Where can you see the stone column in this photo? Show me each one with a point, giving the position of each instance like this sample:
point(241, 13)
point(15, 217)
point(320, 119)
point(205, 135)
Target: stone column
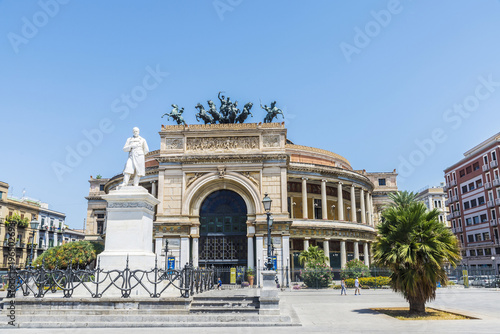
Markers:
point(250, 258)
point(153, 188)
point(259, 251)
point(158, 247)
point(184, 256)
point(367, 256)
point(343, 255)
point(285, 244)
point(356, 250)
point(306, 244)
point(195, 253)
point(326, 248)
point(161, 180)
point(371, 210)
point(363, 209)
point(340, 199)
point(367, 200)
point(353, 204)
point(304, 198)
point(324, 209)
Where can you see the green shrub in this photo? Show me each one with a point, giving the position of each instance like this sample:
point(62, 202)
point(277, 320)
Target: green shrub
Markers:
point(317, 275)
point(369, 281)
point(79, 254)
point(355, 268)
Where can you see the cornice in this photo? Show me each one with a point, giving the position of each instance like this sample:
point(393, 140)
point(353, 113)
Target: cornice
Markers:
point(218, 158)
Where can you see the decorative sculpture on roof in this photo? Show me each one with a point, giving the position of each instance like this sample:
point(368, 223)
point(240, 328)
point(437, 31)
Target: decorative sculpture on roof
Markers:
point(176, 114)
point(272, 112)
point(228, 112)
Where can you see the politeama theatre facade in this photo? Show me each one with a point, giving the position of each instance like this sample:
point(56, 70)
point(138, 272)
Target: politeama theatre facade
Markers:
point(211, 179)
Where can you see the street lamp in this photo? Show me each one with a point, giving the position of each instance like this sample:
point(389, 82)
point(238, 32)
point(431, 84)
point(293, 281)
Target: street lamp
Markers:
point(494, 266)
point(166, 254)
point(34, 227)
point(267, 207)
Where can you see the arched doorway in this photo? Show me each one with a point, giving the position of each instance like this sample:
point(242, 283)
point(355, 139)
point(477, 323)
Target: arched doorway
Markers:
point(223, 230)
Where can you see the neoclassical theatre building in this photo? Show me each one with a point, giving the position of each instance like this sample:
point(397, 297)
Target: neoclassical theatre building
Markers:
point(211, 180)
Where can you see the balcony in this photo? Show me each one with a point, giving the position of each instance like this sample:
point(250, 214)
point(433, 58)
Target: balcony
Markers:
point(43, 227)
point(456, 229)
point(488, 185)
point(486, 167)
point(493, 163)
point(456, 214)
point(453, 183)
point(497, 201)
point(454, 198)
point(496, 182)
point(459, 229)
point(449, 217)
point(490, 204)
point(447, 202)
point(494, 222)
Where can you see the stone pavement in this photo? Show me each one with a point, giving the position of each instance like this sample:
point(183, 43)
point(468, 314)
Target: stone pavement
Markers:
point(325, 311)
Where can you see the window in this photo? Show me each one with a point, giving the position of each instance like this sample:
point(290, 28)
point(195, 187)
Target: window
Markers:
point(468, 221)
point(475, 166)
point(493, 156)
point(479, 183)
point(440, 218)
point(485, 159)
point(473, 203)
point(466, 205)
point(381, 182)
point(487, 251)
point(462, 238)
point(480, 200)
point(480, 252)
point(484, 218)
point(477, 236)
point(493, 214)
point(470, 238)
point(472, 252)
point(459, 222)
point(464, 189)
point(462, 173)
point(486, 236)
point(475, 220)
point(468, 170)
point(317, 209)
point(101, 187)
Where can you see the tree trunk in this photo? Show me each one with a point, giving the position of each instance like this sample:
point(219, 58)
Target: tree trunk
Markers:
point(417, 306)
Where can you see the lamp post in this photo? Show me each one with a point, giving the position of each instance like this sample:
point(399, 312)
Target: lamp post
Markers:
point(34, 227)
point(166, 254)
point(267, 207)
point(494, 266)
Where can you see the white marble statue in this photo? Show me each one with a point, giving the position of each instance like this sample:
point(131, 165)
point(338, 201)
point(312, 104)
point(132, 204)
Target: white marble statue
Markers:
point(137, 148)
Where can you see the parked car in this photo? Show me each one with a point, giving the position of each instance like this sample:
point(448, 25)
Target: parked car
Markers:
point(480, 281)
point(461, 280)
point(452, 279)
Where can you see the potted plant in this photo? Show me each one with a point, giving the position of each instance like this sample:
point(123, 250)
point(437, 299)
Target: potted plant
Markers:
point(250, 276)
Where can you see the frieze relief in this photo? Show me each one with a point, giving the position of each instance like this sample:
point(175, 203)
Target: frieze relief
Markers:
point(174, 143)
point(126, 205)
point(330, 233)
point(222, 143)
point(271, 141)
point(191, 177)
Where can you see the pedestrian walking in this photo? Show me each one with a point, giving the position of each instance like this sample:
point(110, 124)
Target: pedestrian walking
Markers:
point(343, 290)
point(357, 291)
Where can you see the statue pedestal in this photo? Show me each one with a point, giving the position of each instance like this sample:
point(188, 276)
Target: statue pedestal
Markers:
point(129, 230)
point(269, 299)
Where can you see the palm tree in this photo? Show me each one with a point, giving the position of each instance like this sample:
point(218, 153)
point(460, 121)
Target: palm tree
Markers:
point(312, 256)
point(414, 245)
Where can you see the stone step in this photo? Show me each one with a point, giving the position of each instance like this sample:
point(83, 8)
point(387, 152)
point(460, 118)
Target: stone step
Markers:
point(210, 309)
point(218, 303)
point(128, 324)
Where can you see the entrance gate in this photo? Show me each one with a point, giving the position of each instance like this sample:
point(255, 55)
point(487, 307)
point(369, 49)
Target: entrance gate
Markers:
point(223, 230)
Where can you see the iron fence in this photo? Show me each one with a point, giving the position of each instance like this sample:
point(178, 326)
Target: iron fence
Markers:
point(97, 282)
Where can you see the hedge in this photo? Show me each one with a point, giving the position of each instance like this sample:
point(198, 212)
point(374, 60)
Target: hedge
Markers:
point(369, 281)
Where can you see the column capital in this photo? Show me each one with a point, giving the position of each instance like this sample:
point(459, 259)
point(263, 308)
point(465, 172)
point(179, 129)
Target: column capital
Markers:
point(324, 180)
point(341, 183)
point(305, 178)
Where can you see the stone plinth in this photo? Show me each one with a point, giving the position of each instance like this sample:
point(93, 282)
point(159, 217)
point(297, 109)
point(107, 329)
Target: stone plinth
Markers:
point(129, 230)
point(269, 299)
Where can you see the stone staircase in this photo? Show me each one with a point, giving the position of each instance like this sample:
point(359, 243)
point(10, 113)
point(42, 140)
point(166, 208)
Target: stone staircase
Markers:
point(212, 309)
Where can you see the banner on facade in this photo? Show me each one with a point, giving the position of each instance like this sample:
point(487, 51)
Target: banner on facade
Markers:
point(233, 276)
point(171, 262)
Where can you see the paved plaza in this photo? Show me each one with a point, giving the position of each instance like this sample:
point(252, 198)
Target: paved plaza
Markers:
point(325, 311)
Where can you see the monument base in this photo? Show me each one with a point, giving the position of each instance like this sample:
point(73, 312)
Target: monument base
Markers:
point(269, 299)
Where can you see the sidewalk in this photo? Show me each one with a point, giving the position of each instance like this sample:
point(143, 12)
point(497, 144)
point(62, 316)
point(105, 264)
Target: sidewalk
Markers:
point(325, 311)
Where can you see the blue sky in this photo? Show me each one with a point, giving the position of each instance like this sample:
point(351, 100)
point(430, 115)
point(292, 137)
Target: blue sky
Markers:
point(402, 84)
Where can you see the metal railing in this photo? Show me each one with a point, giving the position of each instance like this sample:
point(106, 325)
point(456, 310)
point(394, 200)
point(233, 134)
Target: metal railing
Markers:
point(97, 282)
